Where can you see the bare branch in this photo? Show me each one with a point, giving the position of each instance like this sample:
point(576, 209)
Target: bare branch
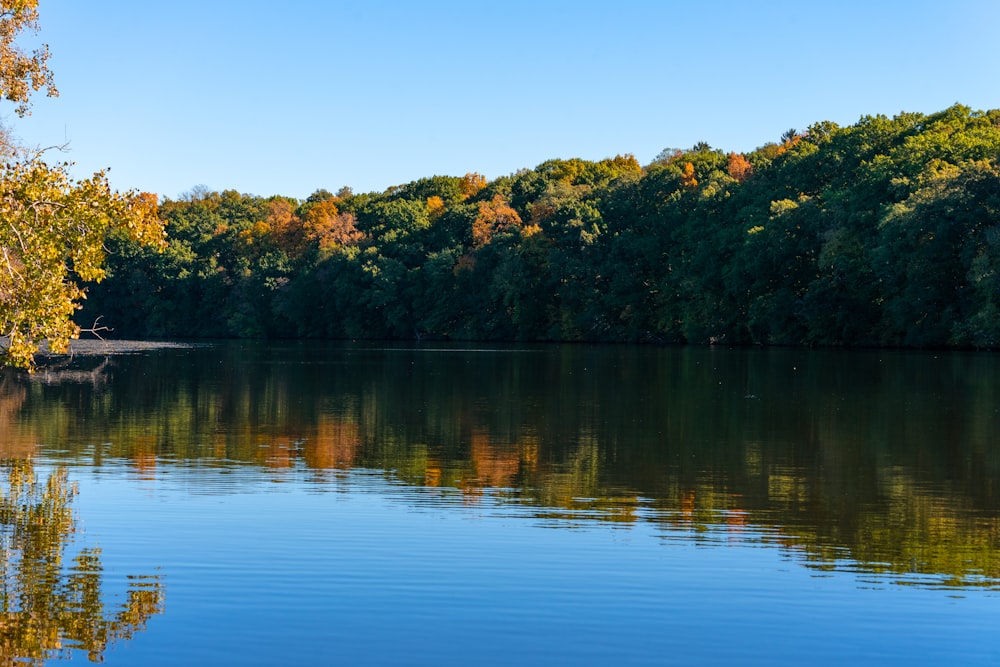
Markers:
point(9, 261)
point(94, 328)
point(17, 233)
point(62, 148)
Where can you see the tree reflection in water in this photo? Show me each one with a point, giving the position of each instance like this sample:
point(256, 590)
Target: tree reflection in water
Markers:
point(47, 607)
point(870, 461)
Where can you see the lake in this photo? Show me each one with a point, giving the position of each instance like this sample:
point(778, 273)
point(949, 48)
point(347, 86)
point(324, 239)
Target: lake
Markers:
point(249, 503)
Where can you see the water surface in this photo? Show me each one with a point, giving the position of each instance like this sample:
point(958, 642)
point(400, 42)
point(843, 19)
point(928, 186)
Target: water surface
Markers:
point(290, 503)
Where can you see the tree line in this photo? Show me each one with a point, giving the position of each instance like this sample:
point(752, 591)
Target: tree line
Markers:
point(882, 233)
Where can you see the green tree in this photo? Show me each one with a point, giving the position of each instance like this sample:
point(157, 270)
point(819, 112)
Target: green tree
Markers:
point(929, 245)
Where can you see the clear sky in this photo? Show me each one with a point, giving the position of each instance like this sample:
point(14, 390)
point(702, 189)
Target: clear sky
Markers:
point(286, 98)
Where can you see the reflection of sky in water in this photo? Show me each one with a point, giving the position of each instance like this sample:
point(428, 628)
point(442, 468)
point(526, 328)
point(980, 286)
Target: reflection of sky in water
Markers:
point(362, 569)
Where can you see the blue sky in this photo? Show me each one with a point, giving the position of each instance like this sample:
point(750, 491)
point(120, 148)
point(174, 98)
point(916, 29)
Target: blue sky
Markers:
point(286, 98)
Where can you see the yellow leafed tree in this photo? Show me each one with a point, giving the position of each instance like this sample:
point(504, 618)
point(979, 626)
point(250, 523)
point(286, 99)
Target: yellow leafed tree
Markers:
point(22, 73)
point(688, 178)
point(52, 227)
point(471, 184)
point(52, 232)
point(435, 207)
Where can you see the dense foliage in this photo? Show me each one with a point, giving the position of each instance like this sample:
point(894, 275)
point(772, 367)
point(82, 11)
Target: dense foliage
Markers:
point(886, 232)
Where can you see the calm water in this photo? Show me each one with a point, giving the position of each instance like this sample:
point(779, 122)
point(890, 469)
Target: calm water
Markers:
point(275, 504)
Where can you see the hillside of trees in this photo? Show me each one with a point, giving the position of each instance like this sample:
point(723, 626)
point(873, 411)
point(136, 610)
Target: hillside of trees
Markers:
point(883, 233)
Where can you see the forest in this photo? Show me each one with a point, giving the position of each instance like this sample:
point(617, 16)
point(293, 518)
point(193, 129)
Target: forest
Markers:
point(882, 233)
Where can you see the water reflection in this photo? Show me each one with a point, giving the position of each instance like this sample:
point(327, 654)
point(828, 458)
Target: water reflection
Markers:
point(884, 463)
point(47, 608)
point(17, 439)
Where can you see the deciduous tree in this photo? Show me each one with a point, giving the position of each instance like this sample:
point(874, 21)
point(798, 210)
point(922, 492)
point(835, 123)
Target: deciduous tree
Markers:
point(688, 178)
point(22, 73)
point(738, 167)
point(330, 228)
point(494, 216)
point(471, 184)
point(52, 232)
point(52, 228)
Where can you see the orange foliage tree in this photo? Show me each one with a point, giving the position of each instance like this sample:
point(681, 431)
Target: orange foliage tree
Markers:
point(330, 228)
point(286, 227)
point(738, 167)
point(494, 216)
point(471, 184)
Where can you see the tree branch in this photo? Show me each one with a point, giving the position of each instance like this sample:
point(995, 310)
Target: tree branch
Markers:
point(94, 329)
